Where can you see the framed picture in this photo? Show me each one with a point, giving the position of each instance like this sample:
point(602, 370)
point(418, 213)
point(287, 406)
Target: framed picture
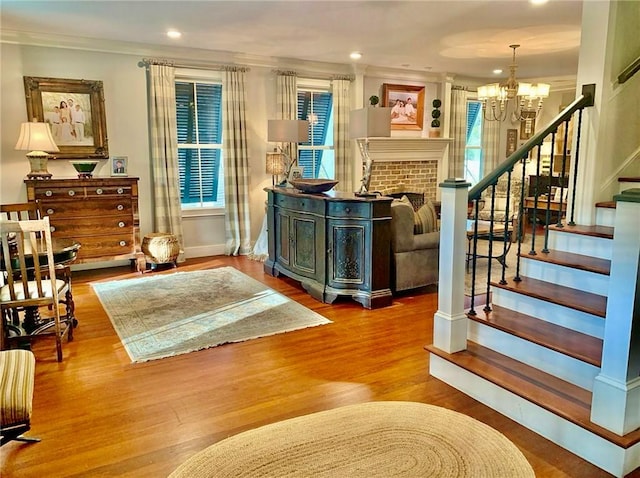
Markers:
point(119, 166)
point(295, 172)
point(75, 111)
point(528, 125)
point(512, 141)
point(407, 105)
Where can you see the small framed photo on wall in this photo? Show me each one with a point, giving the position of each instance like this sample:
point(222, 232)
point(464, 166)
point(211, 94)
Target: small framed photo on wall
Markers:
point(528, 125)
point(119, 166)
point(512, 141)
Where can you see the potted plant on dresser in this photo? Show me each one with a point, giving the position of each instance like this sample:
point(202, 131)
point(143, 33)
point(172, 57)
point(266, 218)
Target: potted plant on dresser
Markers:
point(434, 132)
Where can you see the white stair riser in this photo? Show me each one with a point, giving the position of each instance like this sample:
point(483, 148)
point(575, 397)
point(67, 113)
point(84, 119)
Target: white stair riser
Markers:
point(556, 314)
point(580, 244)
point(627, 185)
point(605, 216)
point(554, 363)
point(590, 447)
point(566, 276)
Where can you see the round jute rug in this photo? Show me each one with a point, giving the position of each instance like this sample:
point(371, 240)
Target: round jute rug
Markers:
point(377, 439)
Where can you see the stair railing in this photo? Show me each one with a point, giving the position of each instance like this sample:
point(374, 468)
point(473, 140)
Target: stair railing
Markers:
point(512, 227)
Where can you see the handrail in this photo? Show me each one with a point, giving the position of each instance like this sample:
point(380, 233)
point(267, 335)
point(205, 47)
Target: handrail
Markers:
point(586, 99)
point(629, 71)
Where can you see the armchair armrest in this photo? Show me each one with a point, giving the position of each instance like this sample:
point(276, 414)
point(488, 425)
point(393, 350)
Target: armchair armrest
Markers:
point(428, 240)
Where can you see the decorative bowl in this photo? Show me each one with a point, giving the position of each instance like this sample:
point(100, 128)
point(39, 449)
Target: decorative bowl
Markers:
point(313, 185)
point(85, 167)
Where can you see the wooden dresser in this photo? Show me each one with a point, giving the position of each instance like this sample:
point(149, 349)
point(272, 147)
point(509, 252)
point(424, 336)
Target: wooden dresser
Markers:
point(335, 244)
point(100, 213)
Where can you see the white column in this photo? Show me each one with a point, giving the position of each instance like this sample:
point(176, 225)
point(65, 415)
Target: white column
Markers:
point(450, 321)
point(616, 392)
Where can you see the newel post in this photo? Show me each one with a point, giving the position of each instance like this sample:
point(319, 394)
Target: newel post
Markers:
point(616, 391)
point(450, 321)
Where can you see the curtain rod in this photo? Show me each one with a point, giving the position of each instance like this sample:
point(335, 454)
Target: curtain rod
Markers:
point(314, 76)
point(146, 62)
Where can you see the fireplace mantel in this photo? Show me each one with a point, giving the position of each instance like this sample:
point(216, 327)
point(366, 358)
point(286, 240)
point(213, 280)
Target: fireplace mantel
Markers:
point(408, 149)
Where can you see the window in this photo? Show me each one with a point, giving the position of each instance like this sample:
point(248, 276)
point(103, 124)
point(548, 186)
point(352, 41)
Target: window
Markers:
point(199, 121)
point(315, 104)
point(473, 147)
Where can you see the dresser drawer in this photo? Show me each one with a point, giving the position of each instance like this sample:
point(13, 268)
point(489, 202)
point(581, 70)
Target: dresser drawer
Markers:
point(300, 203)
point(349, 209)
point(57, 210)
point(100, 246)
point(88, 226)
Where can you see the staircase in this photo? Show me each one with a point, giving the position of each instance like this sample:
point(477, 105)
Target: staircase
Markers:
point(552, 348)
point(535, 353)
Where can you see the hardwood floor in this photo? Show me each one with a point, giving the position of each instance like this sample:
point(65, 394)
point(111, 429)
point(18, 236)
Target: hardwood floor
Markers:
point(100, 415)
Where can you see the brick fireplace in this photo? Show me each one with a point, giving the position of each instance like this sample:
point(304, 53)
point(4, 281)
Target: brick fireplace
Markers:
point(406, 164)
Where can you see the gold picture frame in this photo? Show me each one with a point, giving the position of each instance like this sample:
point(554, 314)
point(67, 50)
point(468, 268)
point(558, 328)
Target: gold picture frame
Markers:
point(398, 97)
point(80, 131)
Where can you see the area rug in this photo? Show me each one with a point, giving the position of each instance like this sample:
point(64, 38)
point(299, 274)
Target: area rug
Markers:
point(377, 439)
point(166, 315)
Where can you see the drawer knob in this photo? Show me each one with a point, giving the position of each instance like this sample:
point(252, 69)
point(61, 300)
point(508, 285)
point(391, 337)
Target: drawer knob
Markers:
point(347, 210)
point(120, 190)
point(121, 224)
point(72, 193)
point(123, 243)
point(120, 207)
point(99, 191)
point(52, 228)
point(49, 211)
point(48, 193)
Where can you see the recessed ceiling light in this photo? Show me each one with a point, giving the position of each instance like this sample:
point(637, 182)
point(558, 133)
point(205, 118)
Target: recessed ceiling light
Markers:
point(174, 34)
point(497, 71)
point(537, 2)
point(356, 55)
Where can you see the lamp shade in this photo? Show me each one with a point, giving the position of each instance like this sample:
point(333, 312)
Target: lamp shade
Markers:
point(370, 122)
point(36, 137)
point(274, 164)
point(288, 131)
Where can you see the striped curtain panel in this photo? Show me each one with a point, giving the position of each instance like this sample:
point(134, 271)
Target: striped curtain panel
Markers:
point(458, 131)
point(490, 146)
point(236, 163)
point(287, 104)
point(164, 150)
point(341, 142)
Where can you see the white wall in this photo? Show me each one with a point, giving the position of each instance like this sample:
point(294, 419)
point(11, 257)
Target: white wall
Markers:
point(125, 94)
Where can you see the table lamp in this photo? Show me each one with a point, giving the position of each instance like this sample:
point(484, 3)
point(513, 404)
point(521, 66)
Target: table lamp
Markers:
point(36, 138)
point(274, 165)
point(287, 131)
point(368, 123)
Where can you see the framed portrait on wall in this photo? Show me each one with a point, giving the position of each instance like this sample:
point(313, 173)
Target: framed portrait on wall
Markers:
point(407, 105)
point(74, 109)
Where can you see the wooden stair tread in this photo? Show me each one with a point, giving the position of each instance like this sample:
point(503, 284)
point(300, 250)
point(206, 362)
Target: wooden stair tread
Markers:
point(554, 337)
point(595, 231)
point(606, 204)
point(562, 398)
point(575, 261)
point(557, 294)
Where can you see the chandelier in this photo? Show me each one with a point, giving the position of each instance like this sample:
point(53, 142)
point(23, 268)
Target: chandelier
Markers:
point(495, 97)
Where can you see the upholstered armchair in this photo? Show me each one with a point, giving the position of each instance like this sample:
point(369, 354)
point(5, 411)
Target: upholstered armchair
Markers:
point(414, 257)
point(500, 204)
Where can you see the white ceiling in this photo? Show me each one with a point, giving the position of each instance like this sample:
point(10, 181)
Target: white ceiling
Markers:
point(468, 38)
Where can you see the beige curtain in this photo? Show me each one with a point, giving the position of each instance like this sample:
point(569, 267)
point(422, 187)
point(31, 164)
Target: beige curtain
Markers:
point(236, 163)
point(458, 131)
point(490, 146)
point(342, 147)
point(164, 150)
point(287, 104)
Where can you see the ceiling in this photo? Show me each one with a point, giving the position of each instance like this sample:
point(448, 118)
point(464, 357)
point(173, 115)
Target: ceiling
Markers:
point(466, 38)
